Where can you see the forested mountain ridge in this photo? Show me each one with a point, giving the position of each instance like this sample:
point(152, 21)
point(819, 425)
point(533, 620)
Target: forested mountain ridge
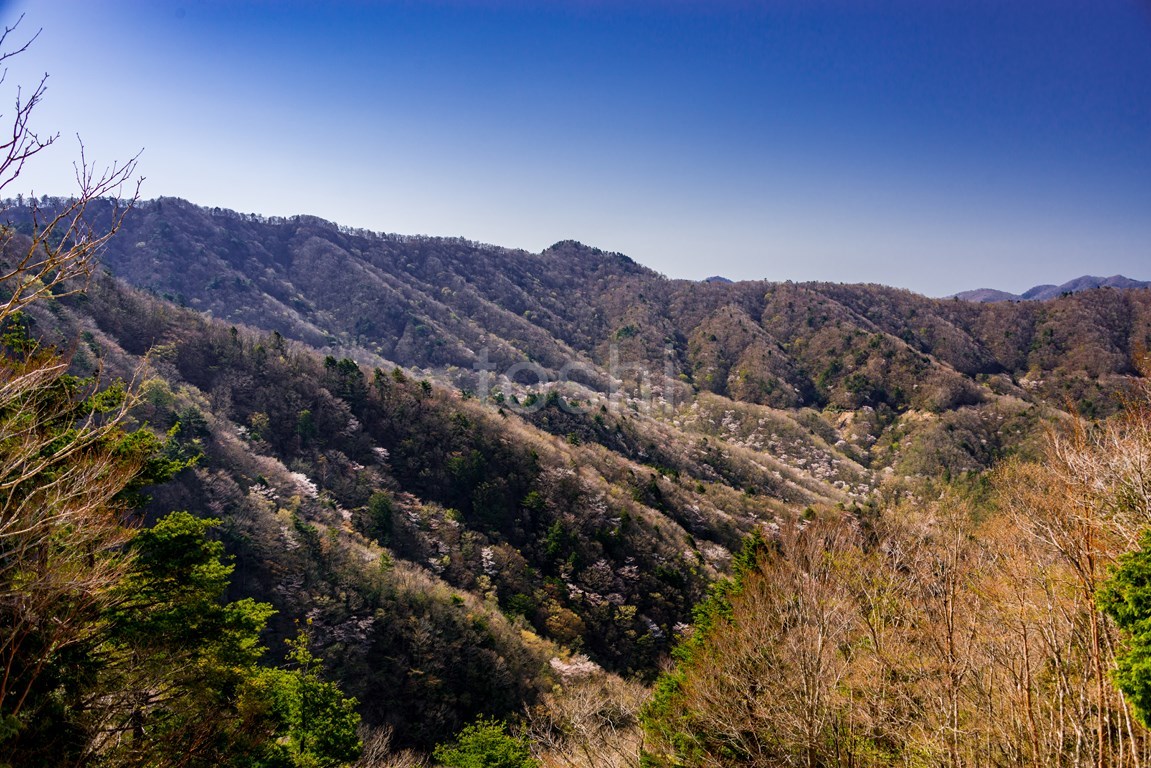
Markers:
point(447, 539)
point(441, 303)
point(799, 393)
point(876, 377)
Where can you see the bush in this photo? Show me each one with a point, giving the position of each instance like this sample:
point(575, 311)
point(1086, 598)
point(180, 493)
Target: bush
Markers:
point(486, 744)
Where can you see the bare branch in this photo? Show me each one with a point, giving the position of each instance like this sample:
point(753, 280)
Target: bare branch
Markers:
point(61, 516)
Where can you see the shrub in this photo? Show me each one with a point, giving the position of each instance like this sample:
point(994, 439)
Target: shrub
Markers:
point(486, 744)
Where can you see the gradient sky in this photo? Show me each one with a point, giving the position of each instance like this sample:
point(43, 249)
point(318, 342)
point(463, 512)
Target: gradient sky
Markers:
point(936, 145)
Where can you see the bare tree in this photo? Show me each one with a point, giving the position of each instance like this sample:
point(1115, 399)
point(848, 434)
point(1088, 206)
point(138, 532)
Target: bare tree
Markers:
point(378, 752)
point(590, 720)
point(64, 459)
point(948, 634)
point(58, 257)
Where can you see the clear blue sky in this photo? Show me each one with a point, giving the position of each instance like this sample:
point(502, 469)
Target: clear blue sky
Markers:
point(937, 145)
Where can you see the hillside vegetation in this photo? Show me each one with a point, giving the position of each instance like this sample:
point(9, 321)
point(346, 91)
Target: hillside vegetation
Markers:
point(498, 484)
point(441, 303)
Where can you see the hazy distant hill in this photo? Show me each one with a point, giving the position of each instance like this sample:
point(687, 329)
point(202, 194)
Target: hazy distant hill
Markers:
point(1045, 292)
point(986, 295)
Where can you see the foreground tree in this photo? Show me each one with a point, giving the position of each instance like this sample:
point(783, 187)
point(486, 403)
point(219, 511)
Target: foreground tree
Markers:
point(66, 462)
point(66, 466)
point(180, 676)
point(486, 744)
point(116, 646)
point(1126, 598)
point(945, 631)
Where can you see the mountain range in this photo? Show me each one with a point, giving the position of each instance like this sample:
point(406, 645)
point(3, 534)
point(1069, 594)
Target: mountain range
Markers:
point(467, 465)
point(1045, 292)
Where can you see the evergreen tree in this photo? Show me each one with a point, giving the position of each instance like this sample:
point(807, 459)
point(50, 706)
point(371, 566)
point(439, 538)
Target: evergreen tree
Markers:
point(189, 664)
point(486, 744)
point(1126, 598)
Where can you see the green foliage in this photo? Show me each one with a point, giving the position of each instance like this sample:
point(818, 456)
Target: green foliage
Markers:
point(305, 425)
point(172, 600)
point(316, 722)
point(380, 524)
point(172, 632)
point(69, 472)
point(15, 336)
point(1126, 598)
point(711, 613)
point(433, 664)
point(486, 743)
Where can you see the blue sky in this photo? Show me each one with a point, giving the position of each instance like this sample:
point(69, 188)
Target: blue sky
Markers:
point(928, 144)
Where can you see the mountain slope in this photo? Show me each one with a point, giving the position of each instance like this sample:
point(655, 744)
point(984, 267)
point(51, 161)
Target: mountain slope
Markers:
point(515, 328)
point(430, 540)
point(451, 307)
point(607, 438)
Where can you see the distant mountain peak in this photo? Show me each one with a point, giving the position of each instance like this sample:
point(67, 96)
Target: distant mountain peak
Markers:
point(1045, 292)
point(1041, 292)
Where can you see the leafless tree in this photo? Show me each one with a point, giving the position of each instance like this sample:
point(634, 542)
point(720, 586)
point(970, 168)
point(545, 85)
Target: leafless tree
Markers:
point(588, 721)
point(58, 257)
point(60, 473)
